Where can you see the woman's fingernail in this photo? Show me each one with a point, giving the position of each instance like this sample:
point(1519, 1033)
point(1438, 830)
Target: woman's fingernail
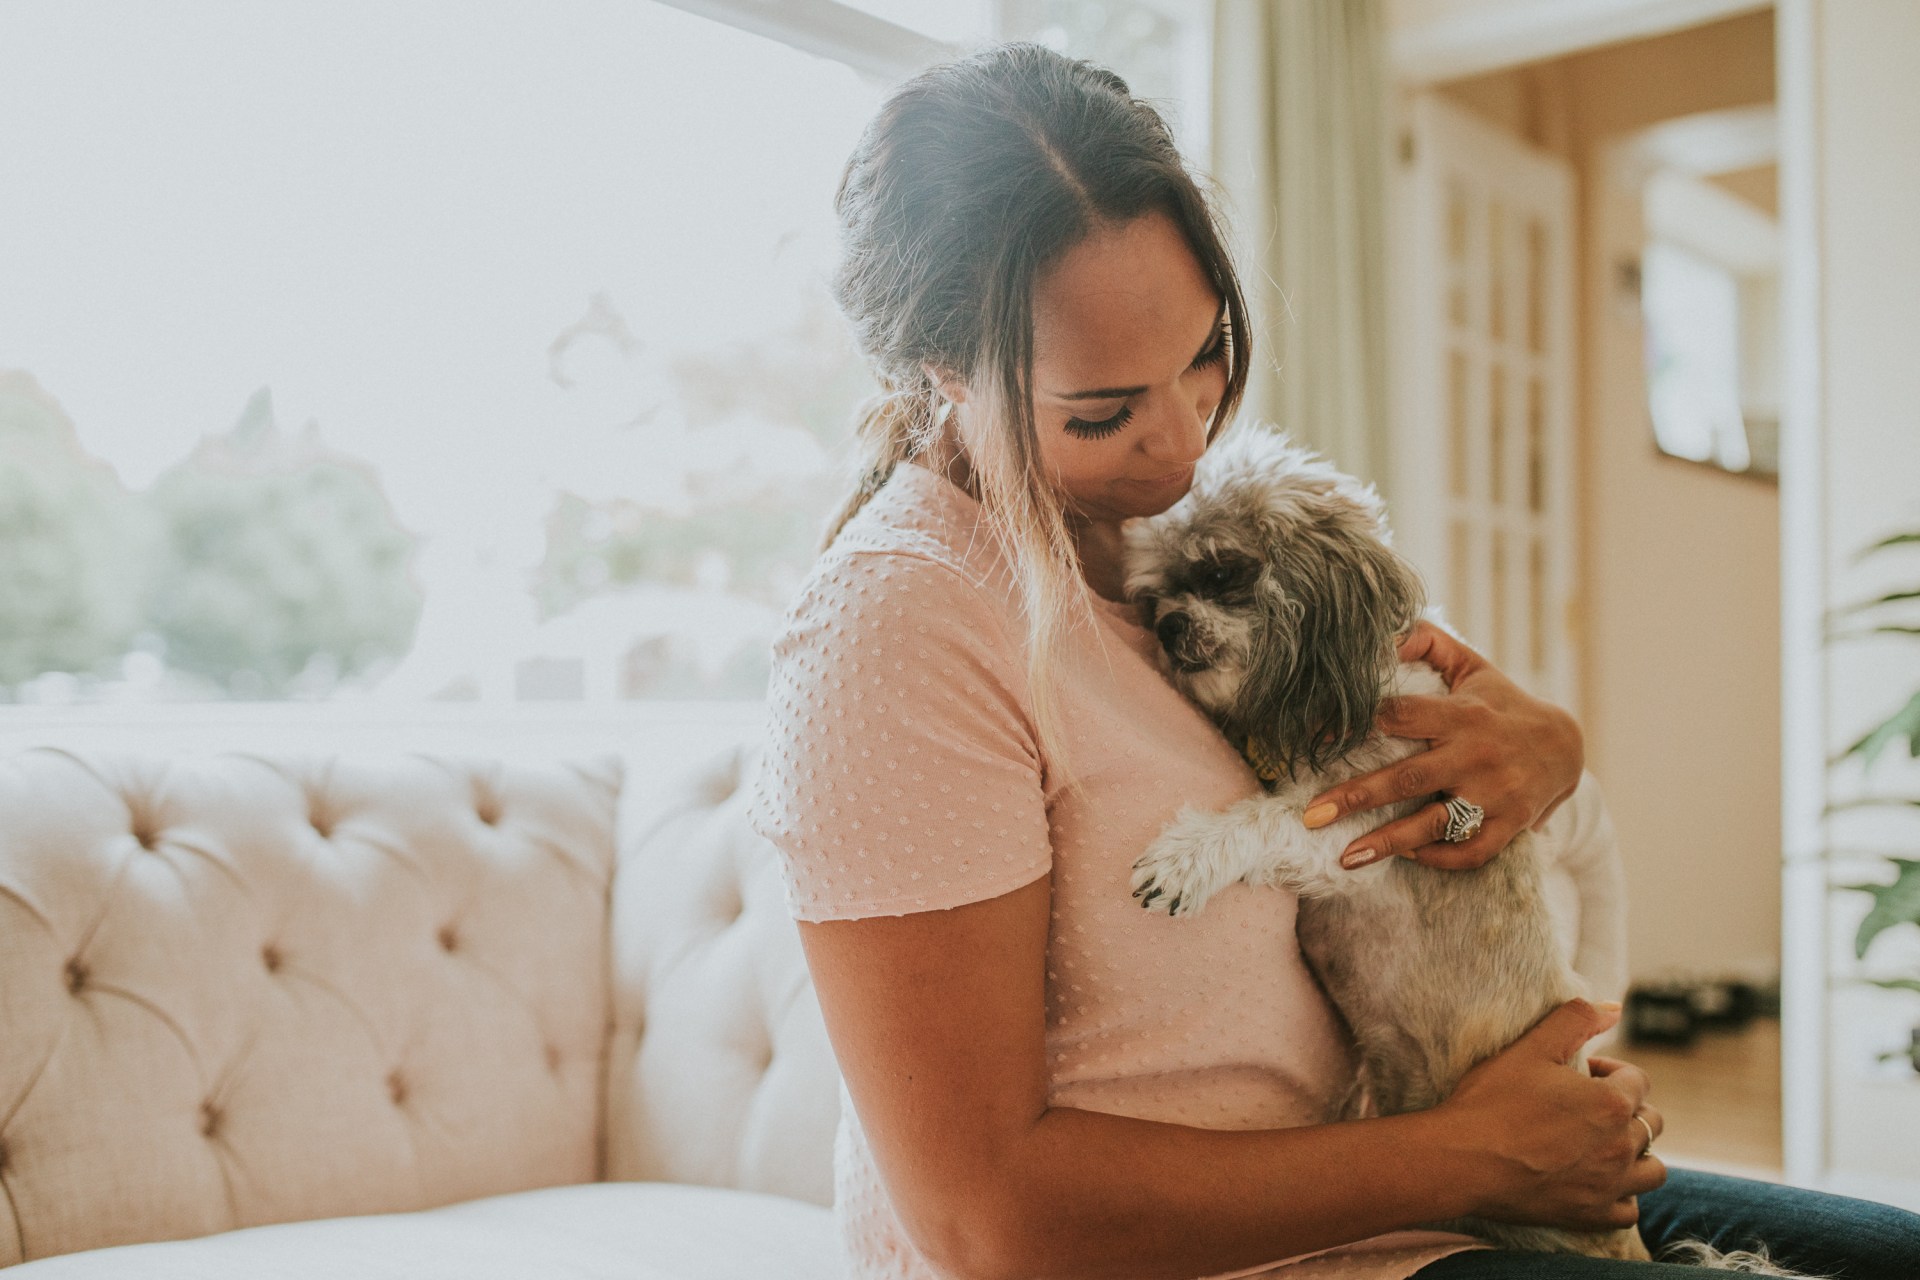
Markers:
point(1355, 858)
point(1320, 815)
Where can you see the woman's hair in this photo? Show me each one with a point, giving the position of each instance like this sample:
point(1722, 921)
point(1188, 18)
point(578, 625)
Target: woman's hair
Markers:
point(972, 179)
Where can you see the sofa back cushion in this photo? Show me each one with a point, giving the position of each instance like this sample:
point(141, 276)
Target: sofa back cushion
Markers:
point(719, 1070)
point(238, 989)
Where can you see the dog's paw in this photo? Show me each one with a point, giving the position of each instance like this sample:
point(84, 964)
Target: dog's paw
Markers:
point(1181, 869)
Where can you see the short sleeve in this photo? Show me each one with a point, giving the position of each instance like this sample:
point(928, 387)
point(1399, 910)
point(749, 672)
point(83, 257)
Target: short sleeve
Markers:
point(900, 771)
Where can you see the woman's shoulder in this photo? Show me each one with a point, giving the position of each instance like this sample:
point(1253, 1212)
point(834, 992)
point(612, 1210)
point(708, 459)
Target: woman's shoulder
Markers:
point(907, 603)
point(896, 560)
point(902, 570)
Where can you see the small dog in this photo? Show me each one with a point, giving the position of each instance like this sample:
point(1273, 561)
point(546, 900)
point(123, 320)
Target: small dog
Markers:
point(1279, 599)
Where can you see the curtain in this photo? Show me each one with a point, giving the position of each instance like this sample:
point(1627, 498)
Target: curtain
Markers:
point(1300, 148)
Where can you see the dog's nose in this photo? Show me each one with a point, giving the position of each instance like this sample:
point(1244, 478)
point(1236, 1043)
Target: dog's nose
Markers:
point(1171, 629)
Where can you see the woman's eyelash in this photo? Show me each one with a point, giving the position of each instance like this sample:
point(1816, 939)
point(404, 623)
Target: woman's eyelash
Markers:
point(1214, 353)
point(1107, 426)
point(1104, 427)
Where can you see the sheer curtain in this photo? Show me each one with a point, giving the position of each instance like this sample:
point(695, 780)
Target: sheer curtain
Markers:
point(1300, 145)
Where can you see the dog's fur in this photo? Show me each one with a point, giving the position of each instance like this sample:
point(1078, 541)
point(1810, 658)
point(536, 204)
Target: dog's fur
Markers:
point(1279, 599)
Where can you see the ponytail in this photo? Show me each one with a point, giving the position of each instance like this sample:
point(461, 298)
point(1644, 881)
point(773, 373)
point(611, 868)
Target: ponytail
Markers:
point(893, 426)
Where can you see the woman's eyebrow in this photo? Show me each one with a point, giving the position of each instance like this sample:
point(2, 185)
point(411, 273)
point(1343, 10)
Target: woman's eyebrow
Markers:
point(1120, 393)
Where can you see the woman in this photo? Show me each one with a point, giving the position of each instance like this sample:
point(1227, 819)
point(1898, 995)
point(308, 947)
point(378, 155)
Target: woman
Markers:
point(972, 738)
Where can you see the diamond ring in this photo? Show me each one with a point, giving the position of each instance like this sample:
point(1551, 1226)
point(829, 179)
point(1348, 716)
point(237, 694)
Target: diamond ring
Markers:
point(1463, 820)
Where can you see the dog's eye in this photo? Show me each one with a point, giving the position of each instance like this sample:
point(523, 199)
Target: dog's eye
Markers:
point(1218, 575)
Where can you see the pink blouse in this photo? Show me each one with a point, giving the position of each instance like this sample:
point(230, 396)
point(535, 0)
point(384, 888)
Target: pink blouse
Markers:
point(901, 774)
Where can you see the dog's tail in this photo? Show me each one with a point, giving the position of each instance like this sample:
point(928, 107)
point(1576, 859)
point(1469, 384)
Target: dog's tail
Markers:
point(1753, 1262)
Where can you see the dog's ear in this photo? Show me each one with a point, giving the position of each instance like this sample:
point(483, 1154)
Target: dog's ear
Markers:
point(1338, 601)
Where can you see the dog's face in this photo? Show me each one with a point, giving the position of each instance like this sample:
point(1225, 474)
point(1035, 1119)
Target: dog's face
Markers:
point(1277, 596)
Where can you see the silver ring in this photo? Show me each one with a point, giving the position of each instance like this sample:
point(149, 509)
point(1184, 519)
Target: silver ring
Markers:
point(1463, 820)
point(1648, 1149)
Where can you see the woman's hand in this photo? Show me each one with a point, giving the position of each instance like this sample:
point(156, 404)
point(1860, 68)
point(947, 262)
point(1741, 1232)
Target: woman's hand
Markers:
point(1566, 1148)
point(1514, 755)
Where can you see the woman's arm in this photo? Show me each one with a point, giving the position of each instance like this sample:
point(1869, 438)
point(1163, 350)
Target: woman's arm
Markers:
point(1516, 756)
point(938, 1021)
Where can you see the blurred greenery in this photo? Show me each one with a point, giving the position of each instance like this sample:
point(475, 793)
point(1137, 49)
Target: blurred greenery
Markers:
point(71, 576)
point(760, 543)
point(273, 554)
point(267, 566)
point(805, 375)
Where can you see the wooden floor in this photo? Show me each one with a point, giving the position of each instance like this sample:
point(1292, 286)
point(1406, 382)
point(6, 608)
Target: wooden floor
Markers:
point(1720, 1098)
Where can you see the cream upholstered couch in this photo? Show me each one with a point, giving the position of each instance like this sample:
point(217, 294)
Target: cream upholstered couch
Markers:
point(420, 1015)
point(429, 1015)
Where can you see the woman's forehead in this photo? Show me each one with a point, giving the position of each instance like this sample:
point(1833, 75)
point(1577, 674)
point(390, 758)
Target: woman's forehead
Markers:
point(1121, 307)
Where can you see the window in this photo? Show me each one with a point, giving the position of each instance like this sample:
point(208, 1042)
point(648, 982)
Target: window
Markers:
point(1709, 291)
point(434, 352)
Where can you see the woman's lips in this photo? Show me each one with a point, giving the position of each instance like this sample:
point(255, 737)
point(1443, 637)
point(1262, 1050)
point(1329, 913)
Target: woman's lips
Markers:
point(1179, 477)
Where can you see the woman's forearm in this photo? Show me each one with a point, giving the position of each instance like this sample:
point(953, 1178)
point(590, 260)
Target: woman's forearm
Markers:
point(1101, 1196)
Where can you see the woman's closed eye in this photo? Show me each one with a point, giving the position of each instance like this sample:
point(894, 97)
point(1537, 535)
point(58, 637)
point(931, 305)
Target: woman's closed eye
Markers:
point(1216, 352)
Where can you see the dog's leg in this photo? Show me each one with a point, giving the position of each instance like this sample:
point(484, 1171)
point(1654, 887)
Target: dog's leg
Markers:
point(1259, 840)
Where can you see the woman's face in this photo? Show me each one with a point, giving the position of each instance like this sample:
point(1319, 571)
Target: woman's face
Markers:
point(1129, 362)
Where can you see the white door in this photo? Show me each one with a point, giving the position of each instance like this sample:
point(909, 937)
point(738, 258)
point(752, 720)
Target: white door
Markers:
point(1481, 483)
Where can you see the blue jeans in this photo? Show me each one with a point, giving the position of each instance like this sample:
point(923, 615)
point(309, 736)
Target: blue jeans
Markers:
point(1810, 1231)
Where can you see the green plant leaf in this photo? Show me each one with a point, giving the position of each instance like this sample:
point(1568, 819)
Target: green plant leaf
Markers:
point(1892, 540)
point(1864, 633)
point(1896, 903)
point(1891, 597)
point(1904, 723)
point(1874, 802)
point(1896, 984)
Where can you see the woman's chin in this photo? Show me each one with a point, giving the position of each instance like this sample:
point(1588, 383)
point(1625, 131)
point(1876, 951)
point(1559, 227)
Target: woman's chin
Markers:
point(1139, 501)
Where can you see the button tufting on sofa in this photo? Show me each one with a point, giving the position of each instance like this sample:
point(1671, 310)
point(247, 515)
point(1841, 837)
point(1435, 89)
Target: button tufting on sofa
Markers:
point(561, 1045)
point(486, 798)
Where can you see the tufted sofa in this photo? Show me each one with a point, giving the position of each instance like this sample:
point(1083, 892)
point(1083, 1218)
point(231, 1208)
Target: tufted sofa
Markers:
point(421, 1014)
point(401, 1015)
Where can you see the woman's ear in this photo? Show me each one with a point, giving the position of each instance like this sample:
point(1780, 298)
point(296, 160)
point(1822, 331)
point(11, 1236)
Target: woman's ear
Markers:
point(948, 385)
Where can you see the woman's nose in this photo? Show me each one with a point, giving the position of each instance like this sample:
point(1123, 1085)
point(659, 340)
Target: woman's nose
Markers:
point(1182, 438)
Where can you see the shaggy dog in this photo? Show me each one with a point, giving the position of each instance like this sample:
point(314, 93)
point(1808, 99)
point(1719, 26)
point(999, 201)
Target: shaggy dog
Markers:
point(1279, 599)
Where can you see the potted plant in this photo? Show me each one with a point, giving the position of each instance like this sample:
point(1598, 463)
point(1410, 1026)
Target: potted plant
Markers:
point(1890, 613)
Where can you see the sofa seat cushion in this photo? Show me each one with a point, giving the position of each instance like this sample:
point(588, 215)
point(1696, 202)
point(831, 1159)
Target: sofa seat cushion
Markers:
point(589, 1231)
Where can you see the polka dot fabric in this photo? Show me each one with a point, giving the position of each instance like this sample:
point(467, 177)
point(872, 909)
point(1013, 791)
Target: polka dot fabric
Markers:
point(908, 771)
point(902, 774)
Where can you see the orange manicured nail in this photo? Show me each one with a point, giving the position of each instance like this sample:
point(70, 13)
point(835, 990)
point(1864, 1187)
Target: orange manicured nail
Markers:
point(1320, 815)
